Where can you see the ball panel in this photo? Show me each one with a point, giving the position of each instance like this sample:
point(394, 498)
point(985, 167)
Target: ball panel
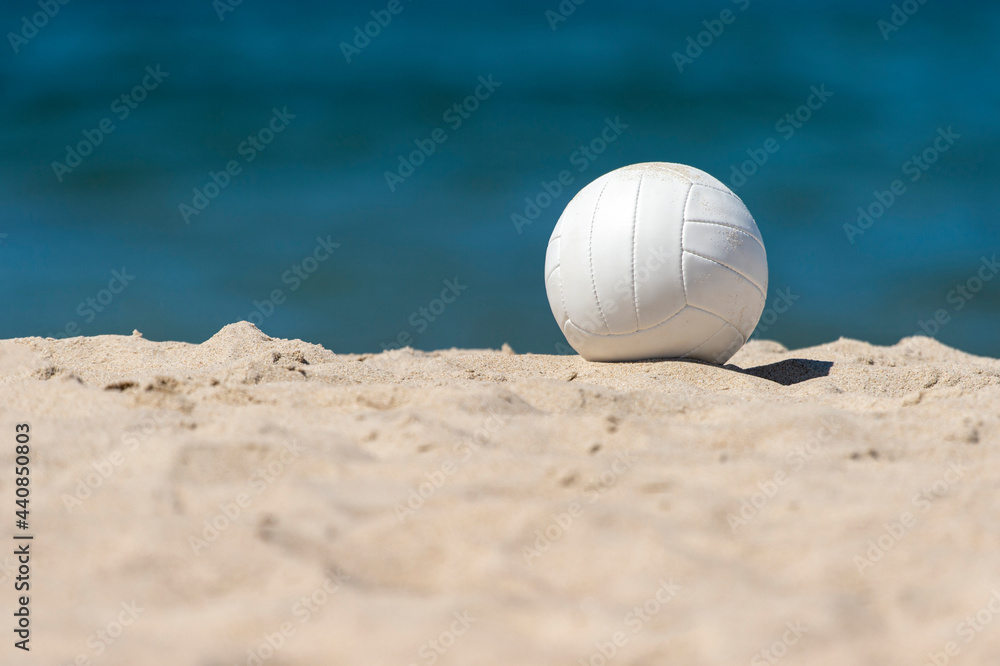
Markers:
point(733, 248)
point(723, 292)
point(553, 283)
point(696, 176)
point(657, 245)
point(673, 338)
point(720, 347)
point(552, 255)
point(709, 205)
point(612, 244)
point(574, 259)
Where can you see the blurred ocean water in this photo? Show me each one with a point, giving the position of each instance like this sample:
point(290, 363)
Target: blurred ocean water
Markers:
point(167, 170)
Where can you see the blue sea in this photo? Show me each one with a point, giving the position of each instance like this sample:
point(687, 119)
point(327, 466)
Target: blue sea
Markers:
point(366, 175)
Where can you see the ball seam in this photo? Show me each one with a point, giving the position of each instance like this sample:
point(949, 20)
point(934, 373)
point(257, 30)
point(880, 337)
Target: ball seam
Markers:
point(562, 297)
point(590, 252)
point(745, 336)
point(635, 238)
point(680, 255)
point(730, 226)
point(711, 337)
point(712, 187)
point(717, 355)
point(716, 261)
point(644, 330)
point(724, 265)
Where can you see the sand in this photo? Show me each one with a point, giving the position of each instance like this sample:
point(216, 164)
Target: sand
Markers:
point(252, 500)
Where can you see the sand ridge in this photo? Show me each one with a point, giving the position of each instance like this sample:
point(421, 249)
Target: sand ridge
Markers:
point(511, 507)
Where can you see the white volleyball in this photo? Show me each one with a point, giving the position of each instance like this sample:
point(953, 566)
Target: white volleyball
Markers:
point(656, 260)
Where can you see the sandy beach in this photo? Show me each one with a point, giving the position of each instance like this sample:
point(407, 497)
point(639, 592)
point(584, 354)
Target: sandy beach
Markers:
point(252, 500)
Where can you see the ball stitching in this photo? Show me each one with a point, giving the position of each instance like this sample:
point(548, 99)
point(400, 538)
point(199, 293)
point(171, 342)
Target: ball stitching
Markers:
point(635, 238)
point(590, 252)
point(684, 212)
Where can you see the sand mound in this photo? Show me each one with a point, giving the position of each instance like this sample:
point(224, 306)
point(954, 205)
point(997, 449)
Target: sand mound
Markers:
point(201, 504)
